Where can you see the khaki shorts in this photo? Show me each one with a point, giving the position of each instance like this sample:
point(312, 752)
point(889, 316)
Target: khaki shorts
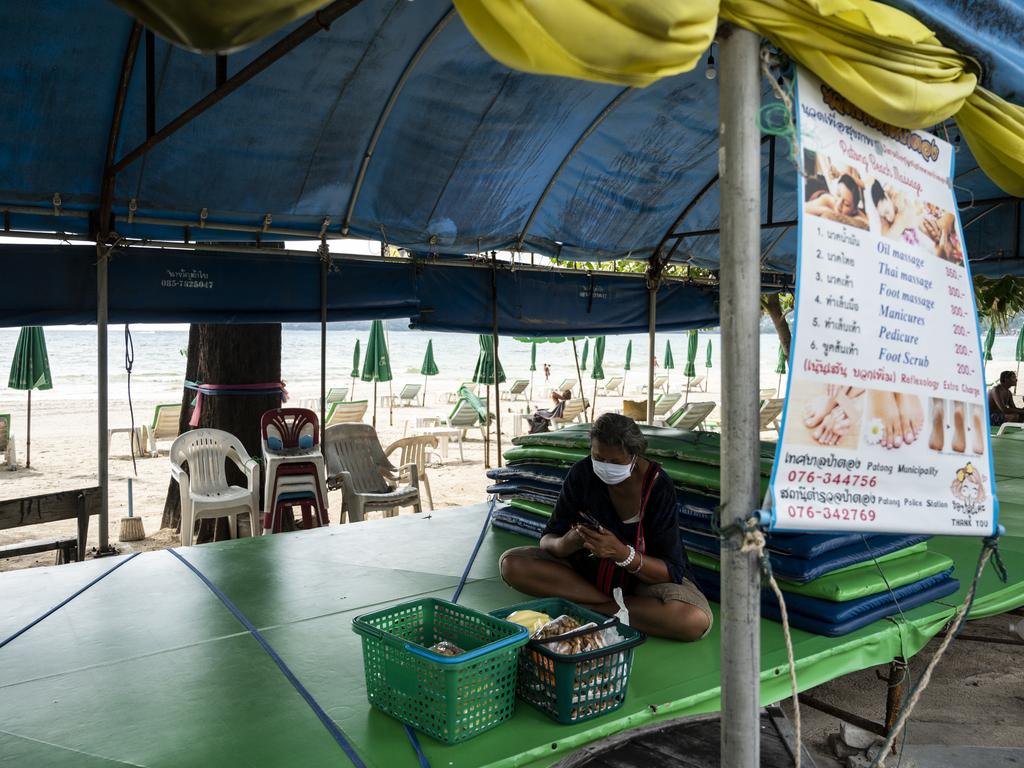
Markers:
point(687, 592)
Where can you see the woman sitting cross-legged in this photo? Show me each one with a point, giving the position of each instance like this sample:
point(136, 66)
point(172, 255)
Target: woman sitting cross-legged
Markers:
point(615, 525)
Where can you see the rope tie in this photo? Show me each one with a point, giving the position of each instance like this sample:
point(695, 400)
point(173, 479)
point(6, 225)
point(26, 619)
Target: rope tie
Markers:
point(754, 541)
point(129, 362)
point(989, 550)
point(777, 119)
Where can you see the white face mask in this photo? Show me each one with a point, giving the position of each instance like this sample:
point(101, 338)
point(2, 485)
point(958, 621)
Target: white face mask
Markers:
point(612, 474)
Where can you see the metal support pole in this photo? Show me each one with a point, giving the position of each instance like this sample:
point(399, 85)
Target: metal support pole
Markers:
point(739, 165)
point(103, 447)
point(325, 263)
point(494, 337)
point(652, 310)
point(895, 690)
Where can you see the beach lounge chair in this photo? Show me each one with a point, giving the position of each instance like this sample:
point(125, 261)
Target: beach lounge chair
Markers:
point(414, 450)
point(337, 395)
point(454, 397)
point(204, 488)
point(346, 413)
point(664, 404)
point(518, 387)
point(573, 411)
point(660, 382)
point(469, 413)
point(410, 394)
point(357, 465)
point(766, 394)
point(611, 387)
point(691, 416)
point(694, 384)
point(570, 384)
point(771, 410)
point(166, 418)
point(7, 441)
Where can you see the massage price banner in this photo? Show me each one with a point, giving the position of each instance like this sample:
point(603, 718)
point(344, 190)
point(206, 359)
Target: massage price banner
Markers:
point(886, 420)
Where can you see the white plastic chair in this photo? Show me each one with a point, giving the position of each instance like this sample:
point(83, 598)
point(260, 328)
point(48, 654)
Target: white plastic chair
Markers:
point(413, 450)
point(357, 465)
point(204, 487)
point(7, 441)
point(660, 382)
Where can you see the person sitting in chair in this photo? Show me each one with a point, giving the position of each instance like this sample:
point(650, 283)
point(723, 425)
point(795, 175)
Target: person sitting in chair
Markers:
point(540, 421)
point(1000, 401)
point(615, 525)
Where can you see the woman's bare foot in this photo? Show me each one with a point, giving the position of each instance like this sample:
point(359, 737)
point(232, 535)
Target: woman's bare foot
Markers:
point(977, 433)
point(817, 409)
point(911, 416)
point(833, 427)
point(959, 427)
point(938, 439)
point(885, 408)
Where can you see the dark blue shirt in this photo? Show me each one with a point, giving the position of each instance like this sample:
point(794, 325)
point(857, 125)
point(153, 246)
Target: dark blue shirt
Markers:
point(584, 491)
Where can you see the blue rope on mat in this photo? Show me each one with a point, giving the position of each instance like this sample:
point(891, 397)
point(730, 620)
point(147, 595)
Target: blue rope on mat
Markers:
point(424, 763)
point(476, 550)
point(329, 724)
point(67, 600)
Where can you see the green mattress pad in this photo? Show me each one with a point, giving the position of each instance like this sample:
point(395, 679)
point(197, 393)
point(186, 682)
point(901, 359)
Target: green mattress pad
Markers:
point(662, 443)
point(863, 579)
point(686, 474)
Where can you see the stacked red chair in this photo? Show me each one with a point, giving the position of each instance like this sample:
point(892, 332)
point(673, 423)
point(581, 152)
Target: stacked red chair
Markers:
point(294, 468)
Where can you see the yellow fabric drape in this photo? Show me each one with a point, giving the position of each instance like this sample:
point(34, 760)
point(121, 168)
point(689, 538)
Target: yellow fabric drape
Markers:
point(219, 26)
point(880, 58)
point(611, 41)
point(994, 129)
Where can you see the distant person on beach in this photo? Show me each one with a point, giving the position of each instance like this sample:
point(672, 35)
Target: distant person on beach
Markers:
point(540, 421)
point(1000, 401)
point(547, 372)
point(615, 526)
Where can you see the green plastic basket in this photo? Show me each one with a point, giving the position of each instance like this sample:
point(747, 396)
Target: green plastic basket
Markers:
point(578, 687)
point(451, 698)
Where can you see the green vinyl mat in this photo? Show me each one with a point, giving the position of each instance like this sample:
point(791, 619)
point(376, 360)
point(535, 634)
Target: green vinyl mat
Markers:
point(149, 668)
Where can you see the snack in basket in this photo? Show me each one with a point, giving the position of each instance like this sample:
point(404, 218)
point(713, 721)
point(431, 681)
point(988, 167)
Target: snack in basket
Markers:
point(587, 641)
point(532, 620)
point(445, 648)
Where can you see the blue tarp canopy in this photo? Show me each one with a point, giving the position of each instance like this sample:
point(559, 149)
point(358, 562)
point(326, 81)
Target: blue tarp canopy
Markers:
point(56, 284)
point(395, 123)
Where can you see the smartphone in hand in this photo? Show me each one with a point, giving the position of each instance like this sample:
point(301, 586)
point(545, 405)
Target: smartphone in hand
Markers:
point(589, 521)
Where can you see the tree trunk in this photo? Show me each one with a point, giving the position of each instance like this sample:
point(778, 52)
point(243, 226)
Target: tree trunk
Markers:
point(774, 310)
point(228, 354)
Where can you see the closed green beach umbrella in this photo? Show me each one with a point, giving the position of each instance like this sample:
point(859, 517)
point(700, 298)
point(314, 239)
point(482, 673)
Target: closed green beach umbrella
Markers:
point(30, 370)
point(484, 373)
point(668, 362)
point(990, 339)
point(376, 361)
point(583, 357)
point(355, 370)
point(629, 356)
point(533, 356)
point(780, 363)
point(707, 356)
point(780, 368)
point(597, 369)
point(1019, 355)
point(690, 370)
point(429, 367)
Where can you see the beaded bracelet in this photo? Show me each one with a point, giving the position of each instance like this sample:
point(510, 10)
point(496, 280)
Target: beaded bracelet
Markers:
point(629, 557)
